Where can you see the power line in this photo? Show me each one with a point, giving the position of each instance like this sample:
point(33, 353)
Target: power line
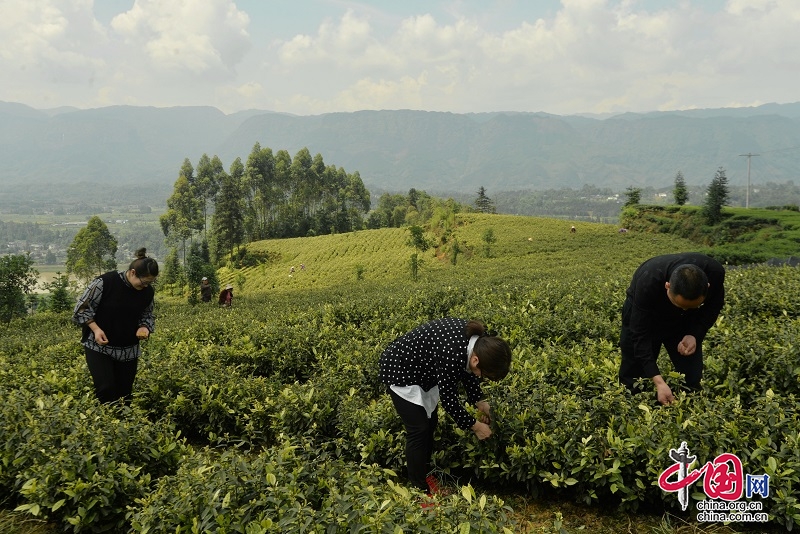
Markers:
point(776, 150)
point(747, 196)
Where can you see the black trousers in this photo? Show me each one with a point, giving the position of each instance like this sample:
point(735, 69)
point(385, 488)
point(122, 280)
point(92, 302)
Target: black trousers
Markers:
point(669, 336)
point(419, 438)
point(113, 380)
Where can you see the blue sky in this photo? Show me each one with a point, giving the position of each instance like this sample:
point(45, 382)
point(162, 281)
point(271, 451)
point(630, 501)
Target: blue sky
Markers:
point(317, 56)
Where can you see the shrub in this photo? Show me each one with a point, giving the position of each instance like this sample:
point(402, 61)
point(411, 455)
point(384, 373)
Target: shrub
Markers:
point(80, 463)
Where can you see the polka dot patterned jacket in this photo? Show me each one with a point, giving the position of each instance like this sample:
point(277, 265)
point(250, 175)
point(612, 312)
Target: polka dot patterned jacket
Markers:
point(434, 353)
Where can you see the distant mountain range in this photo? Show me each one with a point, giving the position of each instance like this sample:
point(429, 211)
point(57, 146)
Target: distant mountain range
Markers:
point(398, 150)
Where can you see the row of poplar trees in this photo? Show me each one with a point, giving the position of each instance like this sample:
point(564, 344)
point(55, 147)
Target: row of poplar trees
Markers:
point(271, 196)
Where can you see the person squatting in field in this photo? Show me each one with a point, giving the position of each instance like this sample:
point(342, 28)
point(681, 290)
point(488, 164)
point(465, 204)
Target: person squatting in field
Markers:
point(116, 312)
point(673, 300)
point(226, 297)
point(429, 363)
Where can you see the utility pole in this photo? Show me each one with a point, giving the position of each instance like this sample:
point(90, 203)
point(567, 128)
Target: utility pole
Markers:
point(747, 195)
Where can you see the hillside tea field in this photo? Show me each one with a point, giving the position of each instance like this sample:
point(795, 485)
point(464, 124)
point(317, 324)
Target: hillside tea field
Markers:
point(269, 417)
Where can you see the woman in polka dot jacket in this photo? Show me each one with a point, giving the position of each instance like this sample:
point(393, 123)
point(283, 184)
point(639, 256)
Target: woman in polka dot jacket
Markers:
point(428, 363)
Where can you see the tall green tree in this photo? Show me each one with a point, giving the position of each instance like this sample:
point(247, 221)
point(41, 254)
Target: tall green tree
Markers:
point(261, 192)
point(417, 238)
point(17, 279)
point(413, 196)
point(184, 213)
point(680, 193)
point(227, 223)
point(421, 243)
point(206, 184)
point(483, 203)
point(716, 197)
point(302, 192)
point(357, 200)
point(92, 250)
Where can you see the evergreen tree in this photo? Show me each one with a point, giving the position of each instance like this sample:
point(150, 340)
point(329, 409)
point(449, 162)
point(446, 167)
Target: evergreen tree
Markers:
point(716, 197)
point(680, 193)
point(483, 203)
point(173, 272)
point(60, 299)
point(633, 196)
point(92, 250)
point(17, 279)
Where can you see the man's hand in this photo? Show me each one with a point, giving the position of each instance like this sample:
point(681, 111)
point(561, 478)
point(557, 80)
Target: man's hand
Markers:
point(663, 392)
point(143, 332)
point(665, 395)
point(482, 430)
point(687, 346)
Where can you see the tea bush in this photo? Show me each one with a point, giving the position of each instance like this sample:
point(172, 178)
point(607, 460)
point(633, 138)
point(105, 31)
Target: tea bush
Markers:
point(77, 462)
point(269, 415)
point(294, 487)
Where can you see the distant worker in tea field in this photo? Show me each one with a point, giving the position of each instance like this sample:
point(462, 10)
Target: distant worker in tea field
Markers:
point(673, 300)
point(205, 290)
point(226, 297)
point(116, 313)
point(429, 363)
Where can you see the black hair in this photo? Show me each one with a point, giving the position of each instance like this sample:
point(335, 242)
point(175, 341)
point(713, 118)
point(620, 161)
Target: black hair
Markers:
point(494, 354)
point(144, 265)
point(688, 281)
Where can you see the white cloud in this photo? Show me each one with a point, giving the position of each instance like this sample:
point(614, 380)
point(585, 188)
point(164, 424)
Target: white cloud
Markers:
point(584, 55)
point(48, 42)
point(199, 37)
point(348, 42)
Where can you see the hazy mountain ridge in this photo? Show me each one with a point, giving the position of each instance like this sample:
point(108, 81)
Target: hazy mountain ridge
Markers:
point(400, 149)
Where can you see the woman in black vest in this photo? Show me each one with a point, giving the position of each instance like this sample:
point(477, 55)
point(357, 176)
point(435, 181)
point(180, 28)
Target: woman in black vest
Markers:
point(116, 311)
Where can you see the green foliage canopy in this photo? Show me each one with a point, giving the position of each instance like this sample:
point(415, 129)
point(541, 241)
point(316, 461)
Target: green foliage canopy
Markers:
point(716, 197)
point(483, 203)
point(227, 223)
point(60, 299)
point(92, 251)
point(633, 196)
point(680, 193)
point(17, 278)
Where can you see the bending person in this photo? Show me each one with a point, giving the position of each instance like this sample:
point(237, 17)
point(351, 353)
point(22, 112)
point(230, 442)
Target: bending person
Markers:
point(429, 363)
point(673, 300)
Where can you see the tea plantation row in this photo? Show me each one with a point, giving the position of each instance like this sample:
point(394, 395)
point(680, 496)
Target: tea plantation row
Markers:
point(269, 417)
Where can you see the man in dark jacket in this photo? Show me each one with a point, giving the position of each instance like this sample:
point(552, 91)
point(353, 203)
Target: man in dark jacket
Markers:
point(673, 300)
